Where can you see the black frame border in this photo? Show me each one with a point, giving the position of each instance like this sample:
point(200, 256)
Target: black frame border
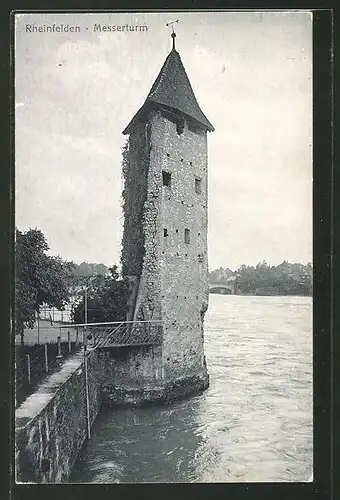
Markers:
point(323, 307)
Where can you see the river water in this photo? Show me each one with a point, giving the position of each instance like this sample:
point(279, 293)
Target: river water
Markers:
point(254, 423)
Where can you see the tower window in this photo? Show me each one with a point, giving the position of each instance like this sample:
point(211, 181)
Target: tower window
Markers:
point(187, 235)
point(165, 232)
point(166, 178)
point(198, 185)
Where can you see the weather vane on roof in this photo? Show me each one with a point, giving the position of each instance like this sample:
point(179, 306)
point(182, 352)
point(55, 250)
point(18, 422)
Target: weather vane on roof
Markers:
point(173, 34)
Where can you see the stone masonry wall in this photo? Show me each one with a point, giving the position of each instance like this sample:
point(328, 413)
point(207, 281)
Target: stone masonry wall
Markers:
point(183, 266)
point(135, 171)
point(148, 306)
point(135, 377)
point(130, 374)
point(174, 280)
point(48, 444)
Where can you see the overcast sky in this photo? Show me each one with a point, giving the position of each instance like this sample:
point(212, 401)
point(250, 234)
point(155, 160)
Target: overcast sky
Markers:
point(75, 92)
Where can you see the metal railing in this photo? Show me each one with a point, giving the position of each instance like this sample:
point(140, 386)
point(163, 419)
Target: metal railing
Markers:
point(113, 334)
point(120, 333)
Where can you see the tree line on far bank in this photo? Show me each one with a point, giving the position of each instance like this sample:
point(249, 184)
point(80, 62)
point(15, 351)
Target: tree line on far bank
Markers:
point(44, 279)
point(263, 279)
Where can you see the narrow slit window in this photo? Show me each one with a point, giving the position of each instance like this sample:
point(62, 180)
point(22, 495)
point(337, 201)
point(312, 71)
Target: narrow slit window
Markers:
point(165, 232)
point(198, 185)
point(187, 236)
point(166, 178)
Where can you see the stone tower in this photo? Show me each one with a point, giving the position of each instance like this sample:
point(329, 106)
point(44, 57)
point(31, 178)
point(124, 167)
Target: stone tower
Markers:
point(164, 248)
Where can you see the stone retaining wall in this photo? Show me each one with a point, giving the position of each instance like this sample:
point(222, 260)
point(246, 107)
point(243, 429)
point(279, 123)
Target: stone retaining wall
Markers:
point(51, 424)
point(135, 376)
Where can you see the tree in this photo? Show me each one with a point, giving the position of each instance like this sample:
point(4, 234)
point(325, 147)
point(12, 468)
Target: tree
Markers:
point(82, 273)
point(284, 279)
point(89, 269)
point(221, 276)
point(39, 278)
point(245, 280)
point(106, 299)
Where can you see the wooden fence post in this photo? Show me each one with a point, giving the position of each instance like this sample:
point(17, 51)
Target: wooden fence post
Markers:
point(69, 342)
point(38, 324)
point(28, 364)
point(46, 359)
point(77, 337)
point(59, 357)
point(86, 387)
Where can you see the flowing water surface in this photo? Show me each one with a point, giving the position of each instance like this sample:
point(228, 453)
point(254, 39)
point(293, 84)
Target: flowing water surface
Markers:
point(254, 423)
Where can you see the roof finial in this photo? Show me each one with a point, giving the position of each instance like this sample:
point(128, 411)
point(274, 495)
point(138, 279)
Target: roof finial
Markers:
point(173, 34)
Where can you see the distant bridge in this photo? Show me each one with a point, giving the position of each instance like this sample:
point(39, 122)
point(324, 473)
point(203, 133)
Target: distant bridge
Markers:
point(225, 289)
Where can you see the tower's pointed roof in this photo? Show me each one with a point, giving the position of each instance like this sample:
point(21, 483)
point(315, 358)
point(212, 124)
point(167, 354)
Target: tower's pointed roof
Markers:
point(172, 89)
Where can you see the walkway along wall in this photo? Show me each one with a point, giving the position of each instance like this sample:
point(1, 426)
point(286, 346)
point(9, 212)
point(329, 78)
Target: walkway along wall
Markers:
point(51, 425)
